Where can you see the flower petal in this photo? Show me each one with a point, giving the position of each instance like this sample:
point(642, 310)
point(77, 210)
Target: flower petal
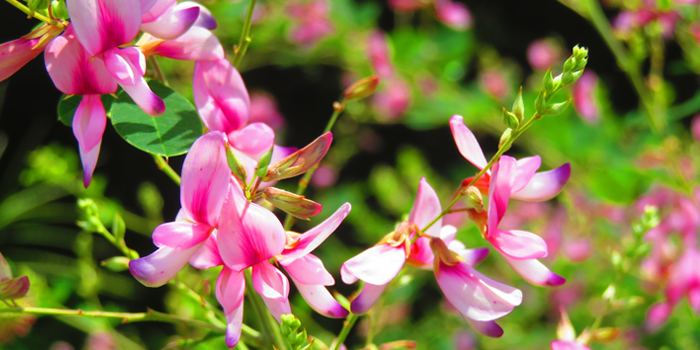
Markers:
point(220, 95)
point(533, 271)
point(230, 292)
point(518, 244)
point(308, 269)
point(312, 238)
point(89, 124)
point(254, 139)
point(377, 265)
point(127, 66)
point(487, 328)
point(208, 254)
point(472, 256)
point(197, 44)
point(499, 191)
point(5, 272)
point(172, 23)
point(318, 297)
point(152, 9)
point(15, 288)
point(567, 345)
point(101, 25)
point(476, 296)
point(367, 297)
point(524, 171)
point(273, 286)
point(466, 142)
point(421, 255)
point(161, 266)
point(205, 20)
point(180, 234)
point(426, 208)
point(206, 178)
point(544, 185)
point(15, 54)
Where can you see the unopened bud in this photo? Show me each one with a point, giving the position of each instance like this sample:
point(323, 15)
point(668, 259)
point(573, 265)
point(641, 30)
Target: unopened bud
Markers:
point(235, 165)
point(541, 103)
point(557, 108)
point(605, 335)
point(300, 161)
point(399, 344)
point(505, 138)
point(510, 120)
point(570, 64)
point(118, 227)
point(290, 331)
point(88, 207)
point(14, 288)
point(609, 293)
point(361, 89)
point(38, 5)
point(261, 170)
point(548, 82)
point(518, 107)
point(565, 330)
point(474, 198)
point(116, 264)
point(291, 203)
point(58, 7)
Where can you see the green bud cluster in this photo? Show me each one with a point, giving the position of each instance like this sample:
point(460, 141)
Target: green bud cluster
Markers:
point(290, 331)
point(573, 69)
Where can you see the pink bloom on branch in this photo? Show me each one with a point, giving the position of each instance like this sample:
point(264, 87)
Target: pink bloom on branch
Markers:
point(15, 54)
point(263, 109)
point(542, 54)
point(584, 96)
point(454, 14)
point(312, 22)
point(168, 20)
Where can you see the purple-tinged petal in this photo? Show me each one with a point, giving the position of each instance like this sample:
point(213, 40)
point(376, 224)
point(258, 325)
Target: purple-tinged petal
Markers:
point(475, 295)
point(14, 288)
point(220, 95)
point(377, 265)
point(5, 271)
point(161, 266)
point(321, 300)
point(518, 244)
point(89, 124)
point(205, 20)
point(533, 271)
point(172, 23)
point(101, 25)
point(208, 254)
point(499, 190)
point(309, 270)
point(524, 171)
point(127, 66)
point(197, 44)
point(312, 238)
point(473, 256)
point(367, 297)
point(154, 9)
point(466, 142)
point(487, 328)
point(15, 54)
point(206, 178)
point(180, 234)
point(426, 208)
point(254, 139)
point(300, 161)
point(230, 292)
point(248, 233)
point(73, 70)
point(544, 185)
point(273, 286)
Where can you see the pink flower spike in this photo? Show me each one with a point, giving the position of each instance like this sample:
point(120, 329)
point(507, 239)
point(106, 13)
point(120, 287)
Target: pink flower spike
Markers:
point(220, 95)
point(273, 286)
point(172, 23)
point(128, 66)
point(161, 266)
point(533, 271)
point(454, 14)
point(321, 300)
point(311, 239)
point(544, 185)
point(487, 328)
point(466, 142)
point(425, 208)
point(15, 54)
point(584, 97)
point(197, 44)
point(230, 292)
point(101, 25)
point(89, 124)
point(367, 297)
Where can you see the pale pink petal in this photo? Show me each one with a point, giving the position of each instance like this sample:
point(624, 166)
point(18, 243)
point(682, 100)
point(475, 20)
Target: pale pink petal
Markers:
point(426, 208)
point(309, 270)
point(254, 139)
point(524, 171)
point(205, 179)
point(454, 14)
point(377, 265)
point(658, 315)
point(101, 25)
point(197, 44)
point(220, 95)
point(499, 190)
point(230, 292)
point(15, 54)
point(208, 254)
point(487, 328)
point(544, 185)
point(568, 345)
point(161, 266)
point(321, 300)
point(248, 233)
point(180, 234)
point(475, 295)
point(205, 20)
point(518, 244)
point(273, 286)
point(473, 256)
point(127, 66)
point(172, 23)
point(152, 9)
point(89, 124)
point(466, 142)
point(312, 238)
point(147, 5)
point(367, 297)
point(533, 271)
point(346, 276)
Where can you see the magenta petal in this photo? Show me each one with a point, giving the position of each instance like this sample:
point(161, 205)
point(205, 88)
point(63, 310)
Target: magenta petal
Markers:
point(180, 234)
point(544, 185)
point(657, 315)
point(254, 139)
point(208, 254)
point(499, 190)
point(172, 23)
point(220, 95)
point(230, 292)
point(205, 20)
point(312, 238)
point(205, 179)
point(421, 255)
point(197, 44)
point(160, 266)
point(426, 208)
point(567, 345)
point(377, 265)
point(473, 256)
point(321, 300)
point(273, 286)
point(533, 271)
point(367, 297)
point(454, 14)
point(476, 296)
point(14, 288)
point(101, 25)
point(152, 9)
point(466, 142)
point(15, 54)
point(308, 269)
point(524, 171)
point(89, 124)
point(248, 233)
point(487, 328)
point(518, 244)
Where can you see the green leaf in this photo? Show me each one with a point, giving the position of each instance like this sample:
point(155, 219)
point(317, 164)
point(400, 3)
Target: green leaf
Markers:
point(68, 104)
point(170, 134)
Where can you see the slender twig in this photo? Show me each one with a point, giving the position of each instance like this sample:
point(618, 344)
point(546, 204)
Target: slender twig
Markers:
point(153, 62)
point(347, 326)
point(245, 40)
point(37, 15)
point(165, 167)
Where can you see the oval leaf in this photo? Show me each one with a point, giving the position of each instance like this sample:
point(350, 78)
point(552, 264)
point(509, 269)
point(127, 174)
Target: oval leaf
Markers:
point(170, 134)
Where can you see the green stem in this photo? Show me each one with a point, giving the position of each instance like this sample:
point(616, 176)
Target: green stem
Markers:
point(35, 14)
point(165, 167)
point(245, 40)
point(347, 326)
point(120, 244)
point(153, 60)
point(270, 329)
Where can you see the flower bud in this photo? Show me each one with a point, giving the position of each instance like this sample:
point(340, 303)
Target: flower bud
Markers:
point(289, 329)
point(300, 161)
point(505, 137)
point(116, 264)
point(261, 170)
point(235, 165)
point(565, 331)
point(518, 107)
point(118, 227)
point(510, 119)
point(473, 196)
point(557, 108)
point(362, 89)
point(541, 103)
point(38, 5)
point(291, 203)
point(548, 82)
point(58, 7)
point(609, 293)
point(605, 335)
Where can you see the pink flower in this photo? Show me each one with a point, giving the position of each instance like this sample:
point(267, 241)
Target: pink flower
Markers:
point(393, 100)
point(263, 109)
point(379, 56)
point(324, 176)
point(542, 54)
point(166, 19)
point(695, 128)
point(15, 54)
point(454, 14)
point(495, 83)
point(406, 5)
point(311, 21)
point(584, 97)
